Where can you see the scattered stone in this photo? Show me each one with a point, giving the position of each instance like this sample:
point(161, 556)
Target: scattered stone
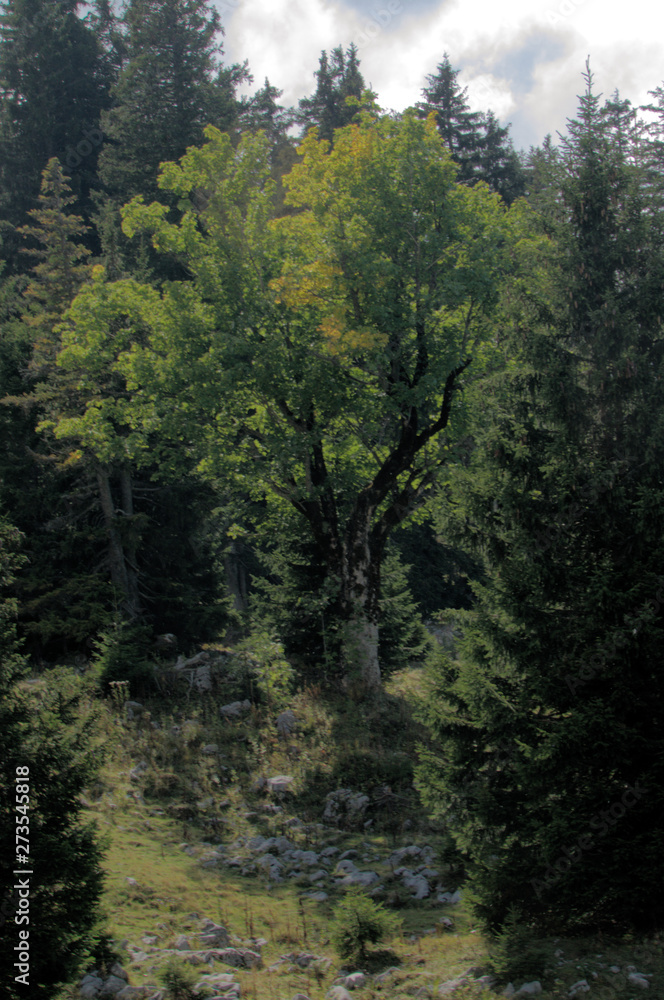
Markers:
point(383, 977)
point(360, 878)
point(449, 897)
point(90, 985)
point(117, 970)
point(580, 987)
point(614, 968)
point(338, 993)
point(303, 959)
point(133, 993)
point(344, 807)
point(214, 935)
point(300, 996)
point(329, 852)
point(529, 989)
point(444, 924)
point(182, 943)
point(235, 709)
point(279, 784)
point(638, 979)
point(210, 748)
point(445, 989)
point(355, 981)
point(286, 722)
point(112, 986)
point(131, 882)
point(509, 990)
point(418, 886)
point(307, 858)
point(317, 897)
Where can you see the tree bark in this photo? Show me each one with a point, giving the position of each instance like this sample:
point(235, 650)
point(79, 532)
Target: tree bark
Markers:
point(123, 577)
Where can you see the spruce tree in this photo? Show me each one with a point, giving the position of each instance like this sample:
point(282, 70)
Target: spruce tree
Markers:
point(48, 756)
point(54, 79)
point(337, 79)
point(481, 147)
point(549, 768)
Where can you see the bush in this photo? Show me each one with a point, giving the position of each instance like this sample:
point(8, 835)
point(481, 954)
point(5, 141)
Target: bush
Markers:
point(515, 954)
point(179, 981)
point(122, 655)
point(357, 922)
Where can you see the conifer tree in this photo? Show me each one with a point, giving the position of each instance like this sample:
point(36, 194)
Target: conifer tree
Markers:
point(55, 79)
point(477, 142)
point(550, 762)
point(48, 757)
point(337, 79)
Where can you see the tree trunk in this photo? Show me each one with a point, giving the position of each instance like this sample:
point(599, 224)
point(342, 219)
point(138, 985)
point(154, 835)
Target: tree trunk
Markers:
point(360, 594)
point(122, 577)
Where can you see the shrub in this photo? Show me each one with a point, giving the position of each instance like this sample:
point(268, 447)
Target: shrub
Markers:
point(179, 981)
point(357, 922)
point(514, 953)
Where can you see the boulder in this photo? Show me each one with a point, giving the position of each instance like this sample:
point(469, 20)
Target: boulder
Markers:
point(182, 943)
point(91, 986)
point(355, 981)
point(529, 989)
point(279, 784)
point(638, 979)
point(578, 988)
point(112, 986)
point(344, 807)
point(338, 993)
point(286, 722)
point(418, 886)
point(235, 709)
point(214, 935)
point(448, 987)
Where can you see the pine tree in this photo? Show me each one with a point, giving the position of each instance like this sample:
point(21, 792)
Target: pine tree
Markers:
point(460, 128)
point(337, 80)
point(550, 764)
point(170, 87)
point(48, 757)
point(478, 144)
point(55, 81)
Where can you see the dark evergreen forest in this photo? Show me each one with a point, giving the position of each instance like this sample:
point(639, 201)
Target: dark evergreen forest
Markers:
point(340, 378)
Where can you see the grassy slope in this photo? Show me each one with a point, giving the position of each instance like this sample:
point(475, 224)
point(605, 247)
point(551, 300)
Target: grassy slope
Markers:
point(162, 824)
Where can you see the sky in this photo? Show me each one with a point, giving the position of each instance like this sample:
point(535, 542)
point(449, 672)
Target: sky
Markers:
point(523, 59)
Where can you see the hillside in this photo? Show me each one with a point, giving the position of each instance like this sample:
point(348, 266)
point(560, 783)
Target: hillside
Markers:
point(234, 830)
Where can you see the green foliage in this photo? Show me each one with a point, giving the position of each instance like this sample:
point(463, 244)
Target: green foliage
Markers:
point(515, 953)
point(548, 764)
point(179, 980)
point(122, 655)
point(262, 662)
point(47, 739)
point(358, 922)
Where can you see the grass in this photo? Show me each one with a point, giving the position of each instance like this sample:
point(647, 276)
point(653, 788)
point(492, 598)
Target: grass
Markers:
point(165, 820)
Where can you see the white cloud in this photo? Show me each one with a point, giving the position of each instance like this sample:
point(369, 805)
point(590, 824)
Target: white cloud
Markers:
point(493, 44)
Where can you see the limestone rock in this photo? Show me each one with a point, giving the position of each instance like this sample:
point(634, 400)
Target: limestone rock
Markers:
point(112, 986)
point(214, 935)
point(448, 987)
point(286, 722)
point(279, 784)
point(338, 993)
